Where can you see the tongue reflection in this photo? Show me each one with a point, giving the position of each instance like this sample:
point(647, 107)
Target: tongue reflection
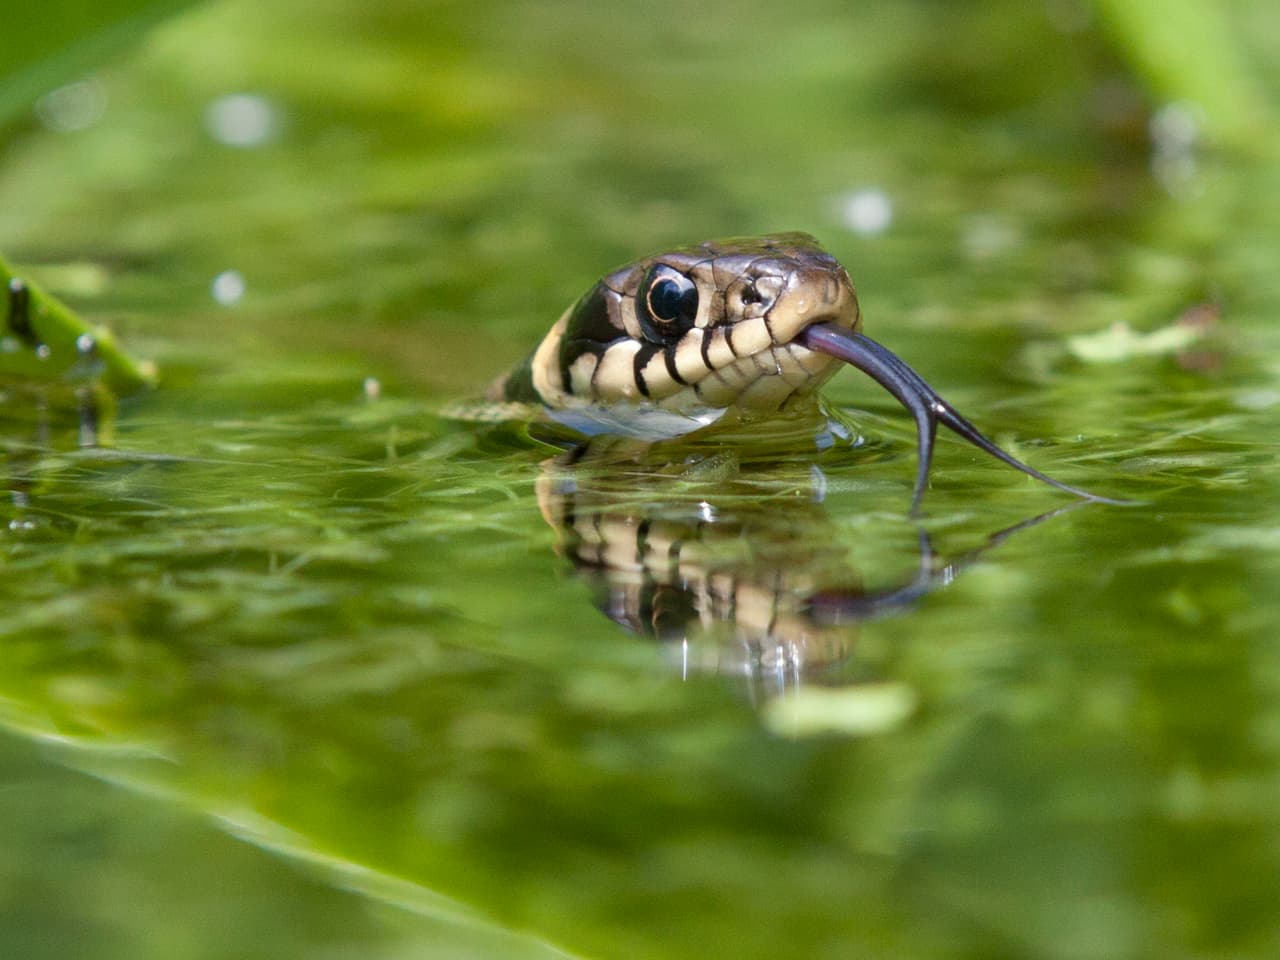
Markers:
point(909, 388)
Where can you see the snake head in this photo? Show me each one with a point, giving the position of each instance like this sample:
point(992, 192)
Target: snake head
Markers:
point(693, 332)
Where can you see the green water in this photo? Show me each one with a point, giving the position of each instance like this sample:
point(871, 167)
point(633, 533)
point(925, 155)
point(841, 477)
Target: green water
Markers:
point(290, 671)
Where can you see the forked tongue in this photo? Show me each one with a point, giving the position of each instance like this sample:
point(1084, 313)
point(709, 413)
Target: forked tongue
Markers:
point(910, 390)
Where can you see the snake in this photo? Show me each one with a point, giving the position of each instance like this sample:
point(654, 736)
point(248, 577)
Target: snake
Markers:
point(671, 343)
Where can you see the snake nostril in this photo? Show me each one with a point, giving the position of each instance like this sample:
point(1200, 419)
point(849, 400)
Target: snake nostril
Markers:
point(750, 294)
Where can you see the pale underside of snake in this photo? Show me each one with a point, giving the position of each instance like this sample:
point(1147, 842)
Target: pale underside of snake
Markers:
point(667, 345)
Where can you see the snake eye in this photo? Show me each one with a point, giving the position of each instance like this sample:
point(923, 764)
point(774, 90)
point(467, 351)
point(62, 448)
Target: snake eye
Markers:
point(668, 303)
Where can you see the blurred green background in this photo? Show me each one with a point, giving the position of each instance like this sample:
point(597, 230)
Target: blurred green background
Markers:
point(290, 667)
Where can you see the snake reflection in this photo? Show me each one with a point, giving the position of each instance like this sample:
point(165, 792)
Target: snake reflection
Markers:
point(727, 580)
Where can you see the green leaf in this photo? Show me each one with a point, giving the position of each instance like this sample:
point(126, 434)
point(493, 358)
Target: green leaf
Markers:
point(1189, 51)
point(45, 340)
point(43, 46)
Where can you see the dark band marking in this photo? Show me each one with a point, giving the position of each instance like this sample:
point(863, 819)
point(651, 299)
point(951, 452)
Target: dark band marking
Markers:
point(570, 351)
point(673, 562)
point(705, 350)
point(590, 329)
point(669, 355)
point(518, 386)
point(575, 456)
point(773, 606)
point(639, 362)
point(728, 339)
point(642, 542)
point(592, 317)
point(768, 325)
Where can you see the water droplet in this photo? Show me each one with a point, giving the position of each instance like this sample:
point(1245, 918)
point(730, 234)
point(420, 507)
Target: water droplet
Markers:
point(867, 212)
point(228, 287)
point(1175, 127)
point(1175, 133)
point(242, 120)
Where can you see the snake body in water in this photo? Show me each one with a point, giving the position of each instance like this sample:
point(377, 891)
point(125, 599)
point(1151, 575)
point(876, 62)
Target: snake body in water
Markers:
point(671, 343)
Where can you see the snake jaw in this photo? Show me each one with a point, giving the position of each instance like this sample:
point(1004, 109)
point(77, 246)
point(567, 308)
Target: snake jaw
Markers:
point(813, 296)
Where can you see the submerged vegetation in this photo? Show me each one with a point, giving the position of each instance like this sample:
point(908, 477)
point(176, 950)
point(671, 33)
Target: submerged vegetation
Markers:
point(465, 694)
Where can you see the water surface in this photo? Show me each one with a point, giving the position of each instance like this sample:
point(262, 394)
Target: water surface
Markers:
point(339, 626)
